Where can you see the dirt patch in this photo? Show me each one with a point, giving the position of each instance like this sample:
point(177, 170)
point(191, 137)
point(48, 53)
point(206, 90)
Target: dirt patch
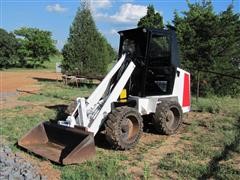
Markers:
point(234, 161)
point(26, 80)
point(148, 138)
point(155, 151)
point(191, 116)
point(153, 147)
point(15, 84)
point(11, 102)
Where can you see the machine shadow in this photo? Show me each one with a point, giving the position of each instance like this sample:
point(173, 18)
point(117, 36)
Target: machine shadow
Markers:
point(148, 126)
point(60, 112)
point(101, 142)
point(100, 139)
point(213, 166)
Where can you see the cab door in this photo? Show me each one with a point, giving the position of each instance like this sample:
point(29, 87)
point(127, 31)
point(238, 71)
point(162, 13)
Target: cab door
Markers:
point(160, 73)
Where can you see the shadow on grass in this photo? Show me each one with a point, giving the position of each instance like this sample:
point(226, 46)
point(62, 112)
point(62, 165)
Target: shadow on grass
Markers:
point(213, 166)
point(101, 142)
point(60, 112)
point(41, 94)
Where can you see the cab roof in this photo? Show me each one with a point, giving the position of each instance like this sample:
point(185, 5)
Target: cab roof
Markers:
point(145, 30)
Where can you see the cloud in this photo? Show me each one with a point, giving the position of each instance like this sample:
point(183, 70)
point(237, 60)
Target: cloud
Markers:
point(113, 31)
point(129, 13)
point(99, 15)
point(56, 8)
point(101, 4)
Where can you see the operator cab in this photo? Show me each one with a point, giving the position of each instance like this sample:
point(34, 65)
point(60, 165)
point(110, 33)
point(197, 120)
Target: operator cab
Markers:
point(155, 53)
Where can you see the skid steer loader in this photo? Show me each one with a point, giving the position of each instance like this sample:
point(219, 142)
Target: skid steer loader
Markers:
point(146, 80)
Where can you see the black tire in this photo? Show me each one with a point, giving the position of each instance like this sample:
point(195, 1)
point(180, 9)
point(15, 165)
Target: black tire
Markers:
point(168, 117)
point(124, 127)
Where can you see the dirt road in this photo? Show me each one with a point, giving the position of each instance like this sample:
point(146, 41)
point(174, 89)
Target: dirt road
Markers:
point(27, 80)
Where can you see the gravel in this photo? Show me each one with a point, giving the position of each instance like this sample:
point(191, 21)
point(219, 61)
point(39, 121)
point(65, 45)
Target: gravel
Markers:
point(13, 167)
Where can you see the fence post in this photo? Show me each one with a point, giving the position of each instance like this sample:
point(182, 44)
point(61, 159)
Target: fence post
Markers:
point(198, 84)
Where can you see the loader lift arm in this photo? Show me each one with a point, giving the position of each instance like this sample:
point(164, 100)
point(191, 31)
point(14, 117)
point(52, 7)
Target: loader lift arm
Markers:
point(92, 112)
point(65, 142)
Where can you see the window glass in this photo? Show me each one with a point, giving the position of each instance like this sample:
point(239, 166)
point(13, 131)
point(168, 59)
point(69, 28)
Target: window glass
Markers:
point(159, 46)
point(129, 46)
point(162, 85)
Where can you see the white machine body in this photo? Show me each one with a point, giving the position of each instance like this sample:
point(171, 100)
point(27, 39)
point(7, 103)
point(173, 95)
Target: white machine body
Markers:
point(90, 113)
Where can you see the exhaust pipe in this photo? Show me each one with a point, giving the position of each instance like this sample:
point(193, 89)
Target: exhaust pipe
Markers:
point(60, 144)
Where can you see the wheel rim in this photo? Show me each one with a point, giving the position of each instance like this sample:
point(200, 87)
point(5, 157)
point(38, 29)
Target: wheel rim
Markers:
point(129, 128)
point(172, 118)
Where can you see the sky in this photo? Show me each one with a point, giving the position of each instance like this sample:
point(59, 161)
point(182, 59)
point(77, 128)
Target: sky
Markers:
point(110, 16)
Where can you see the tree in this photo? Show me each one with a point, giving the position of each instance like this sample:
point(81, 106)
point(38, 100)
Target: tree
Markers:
point(8, 49)
point(227, 53)
point(208, 41)
point(87, 52)
point(152, 19)
point(36, 46)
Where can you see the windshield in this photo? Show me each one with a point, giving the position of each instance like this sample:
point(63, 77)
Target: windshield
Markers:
point(159, 46)
point(129, 46)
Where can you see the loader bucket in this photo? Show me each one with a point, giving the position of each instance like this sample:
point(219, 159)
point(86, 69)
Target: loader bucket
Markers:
point(63, 145)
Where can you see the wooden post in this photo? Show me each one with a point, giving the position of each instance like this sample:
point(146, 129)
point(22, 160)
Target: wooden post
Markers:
point(198, 84)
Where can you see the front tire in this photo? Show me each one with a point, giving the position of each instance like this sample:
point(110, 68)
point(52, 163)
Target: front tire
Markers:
point(168, 117)
point(124, 127)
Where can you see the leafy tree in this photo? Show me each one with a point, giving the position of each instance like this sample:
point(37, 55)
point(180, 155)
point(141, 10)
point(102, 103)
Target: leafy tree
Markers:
point(8, 49)
point(112, 54)
point(86, 52)
point(36, 46)
point(152, 19)
point(209, 42)
point(227, 53)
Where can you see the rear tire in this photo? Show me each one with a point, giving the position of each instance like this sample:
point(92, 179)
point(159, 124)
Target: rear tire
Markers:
point(124, 127)
point(168, 117)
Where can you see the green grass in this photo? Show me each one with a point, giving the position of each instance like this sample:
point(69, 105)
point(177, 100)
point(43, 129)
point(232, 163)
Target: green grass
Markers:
point(210, 144)
point(16, 122)
point(185, 168)
point(146, 171)
point(102, 167)
point(51, 65)
point(215, 104)
point(53, 92)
